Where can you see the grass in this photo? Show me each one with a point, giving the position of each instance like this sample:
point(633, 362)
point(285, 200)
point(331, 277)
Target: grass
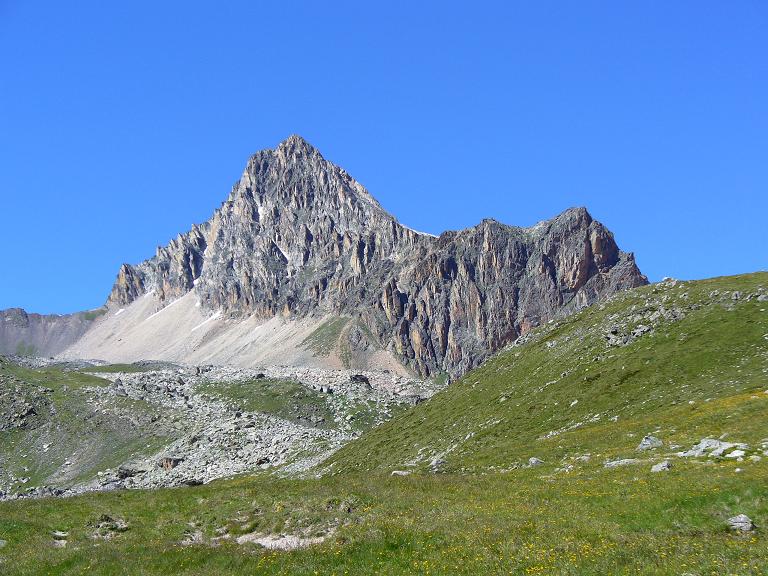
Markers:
point(24, 349)
point(283, 398)
point(568, 393)
point(71, 427)
point(113, 368)
point(561, 396)
point(325, 338)
point(608, 522)
point(91, 315)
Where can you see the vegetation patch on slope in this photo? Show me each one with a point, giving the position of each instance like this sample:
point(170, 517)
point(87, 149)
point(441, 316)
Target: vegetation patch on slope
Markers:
point(50, 424)
point(284, 398)
point(325, 338)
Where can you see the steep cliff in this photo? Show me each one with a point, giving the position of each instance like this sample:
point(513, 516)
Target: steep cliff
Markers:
point(298, 237)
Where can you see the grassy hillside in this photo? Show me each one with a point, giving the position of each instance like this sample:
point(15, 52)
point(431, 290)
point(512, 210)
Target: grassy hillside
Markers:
point(619, 522)
point(695, 366)
point(50, 430)
point(680, 361)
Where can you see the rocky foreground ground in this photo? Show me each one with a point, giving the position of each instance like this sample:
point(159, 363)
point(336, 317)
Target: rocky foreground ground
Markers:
point(188, 424)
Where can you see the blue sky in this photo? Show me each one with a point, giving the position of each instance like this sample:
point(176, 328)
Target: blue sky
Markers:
point(122, 123)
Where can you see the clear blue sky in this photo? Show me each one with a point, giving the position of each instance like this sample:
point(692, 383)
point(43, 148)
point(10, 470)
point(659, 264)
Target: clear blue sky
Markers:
point(122, 123)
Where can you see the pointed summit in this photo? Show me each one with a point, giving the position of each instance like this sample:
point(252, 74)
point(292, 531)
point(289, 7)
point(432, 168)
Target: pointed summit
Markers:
point(295, 145)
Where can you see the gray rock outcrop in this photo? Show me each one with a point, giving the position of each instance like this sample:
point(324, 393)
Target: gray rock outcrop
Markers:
point(741, 523)
point(649, 443)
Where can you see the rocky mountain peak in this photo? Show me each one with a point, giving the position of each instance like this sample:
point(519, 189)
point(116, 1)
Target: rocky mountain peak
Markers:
point(299, 237)
point(295, 145)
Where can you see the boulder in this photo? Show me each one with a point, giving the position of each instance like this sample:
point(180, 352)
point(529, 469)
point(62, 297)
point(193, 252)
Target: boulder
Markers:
point(129, 471)
point(360, 379)
point(650, 443)
point(622, 462)
point(170, 462)
point(713, 448)
point(437, 463)
point(741, 523)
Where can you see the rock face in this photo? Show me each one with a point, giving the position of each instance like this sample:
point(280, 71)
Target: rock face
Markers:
point(298, 237)
point(39, 334)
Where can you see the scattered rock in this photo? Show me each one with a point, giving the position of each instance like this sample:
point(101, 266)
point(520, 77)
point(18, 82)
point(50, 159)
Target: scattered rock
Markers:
point(711, 447)
point(170, 462)
point(359, 379)
point(213, 436)
point(533, 461)
point(741, 523)
point(59, 538)
point(400, 473)
point(129, 471)
point(661, 466)
point(107, 527)
point(622, 462)
point(650, 443)
point(735, 454)
point(192, 537)
point(281, 541)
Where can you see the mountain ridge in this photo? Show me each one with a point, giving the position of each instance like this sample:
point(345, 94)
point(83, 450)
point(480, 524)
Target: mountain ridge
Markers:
point(29, 333)
point(297, 236)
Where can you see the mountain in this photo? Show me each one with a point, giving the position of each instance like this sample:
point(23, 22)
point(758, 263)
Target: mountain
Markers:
point(31, 334)
point(302, 264)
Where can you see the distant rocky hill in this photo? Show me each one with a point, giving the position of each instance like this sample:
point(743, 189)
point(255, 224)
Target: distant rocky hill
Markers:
point(300, 241)
point(30, 334)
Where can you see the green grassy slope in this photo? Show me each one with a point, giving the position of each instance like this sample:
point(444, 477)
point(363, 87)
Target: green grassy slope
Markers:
point(65, 427)
point(284, 398)
point(700, 372)
point(698, 369)
point(297, 403)
point(613, 522)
